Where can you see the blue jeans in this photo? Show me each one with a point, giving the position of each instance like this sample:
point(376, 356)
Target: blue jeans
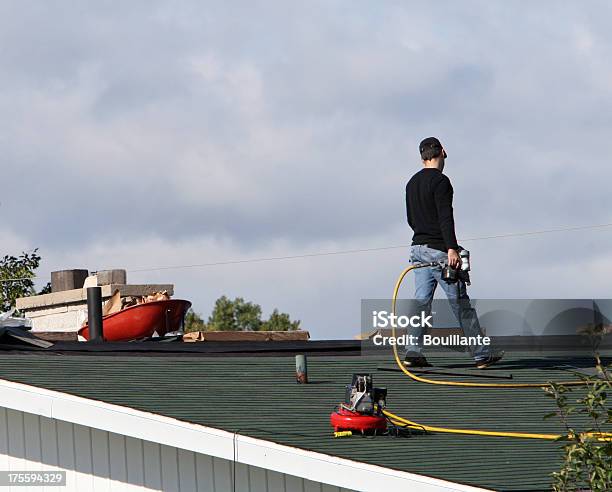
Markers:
point(427, 279)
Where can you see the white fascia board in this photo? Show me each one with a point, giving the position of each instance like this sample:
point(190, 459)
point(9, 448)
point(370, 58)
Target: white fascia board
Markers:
point(311, 465)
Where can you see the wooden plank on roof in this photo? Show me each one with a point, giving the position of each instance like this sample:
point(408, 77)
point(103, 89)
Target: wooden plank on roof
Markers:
point(246, 336)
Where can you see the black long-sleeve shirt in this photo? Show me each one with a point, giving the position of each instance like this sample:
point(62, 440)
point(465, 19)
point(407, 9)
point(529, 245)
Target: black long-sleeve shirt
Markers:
point(429, 207)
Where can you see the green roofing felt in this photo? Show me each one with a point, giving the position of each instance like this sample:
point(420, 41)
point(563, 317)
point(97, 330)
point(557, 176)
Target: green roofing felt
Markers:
point(258, 396)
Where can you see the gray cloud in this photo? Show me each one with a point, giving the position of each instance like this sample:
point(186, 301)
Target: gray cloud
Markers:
point(269, 124)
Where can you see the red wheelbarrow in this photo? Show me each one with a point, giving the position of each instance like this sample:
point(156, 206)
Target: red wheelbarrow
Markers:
point(142, 320)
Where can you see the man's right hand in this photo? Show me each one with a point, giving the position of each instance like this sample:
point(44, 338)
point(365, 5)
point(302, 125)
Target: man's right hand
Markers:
point(453, 259)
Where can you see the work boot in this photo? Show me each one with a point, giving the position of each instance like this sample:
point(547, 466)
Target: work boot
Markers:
point(489, 360)
point(416, 361)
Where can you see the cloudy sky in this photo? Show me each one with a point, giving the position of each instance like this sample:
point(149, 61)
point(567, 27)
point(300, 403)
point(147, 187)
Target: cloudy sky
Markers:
point(143, 134)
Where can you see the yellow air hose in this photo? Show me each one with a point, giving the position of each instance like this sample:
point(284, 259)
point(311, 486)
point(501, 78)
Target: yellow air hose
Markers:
point(395, 419)
point(413, 425)
point(456, 383)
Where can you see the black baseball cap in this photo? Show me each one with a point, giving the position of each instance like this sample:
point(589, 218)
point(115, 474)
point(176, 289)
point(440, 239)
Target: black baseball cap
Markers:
point(430, 143)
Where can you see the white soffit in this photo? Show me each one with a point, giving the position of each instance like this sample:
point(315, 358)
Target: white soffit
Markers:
point(311, 465)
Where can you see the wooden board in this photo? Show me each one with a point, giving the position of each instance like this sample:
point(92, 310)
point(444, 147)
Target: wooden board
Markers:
point(246, 336)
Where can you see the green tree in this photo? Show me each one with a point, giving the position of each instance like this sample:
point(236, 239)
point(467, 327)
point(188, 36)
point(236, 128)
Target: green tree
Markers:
point(193, 322)
point(280, 322)
point(20, 267)
point(238, 315)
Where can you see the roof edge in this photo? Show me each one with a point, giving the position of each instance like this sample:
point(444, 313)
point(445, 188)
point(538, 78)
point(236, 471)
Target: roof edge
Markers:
point(169, 431)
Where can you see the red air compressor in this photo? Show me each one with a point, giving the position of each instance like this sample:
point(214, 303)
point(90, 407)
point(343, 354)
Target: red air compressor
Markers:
point(362, 408)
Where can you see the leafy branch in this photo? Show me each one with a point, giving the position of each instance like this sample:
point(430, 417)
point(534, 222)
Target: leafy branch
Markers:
point(17, 275)
point(587, 453)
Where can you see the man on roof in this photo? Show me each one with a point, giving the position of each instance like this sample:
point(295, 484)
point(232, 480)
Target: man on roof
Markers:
point(429, 207)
